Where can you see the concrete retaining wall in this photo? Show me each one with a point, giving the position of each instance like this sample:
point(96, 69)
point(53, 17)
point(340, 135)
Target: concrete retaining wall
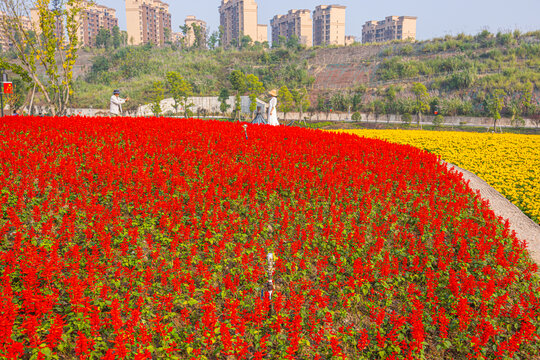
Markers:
point(213, 104)
point(426, 119)
point(208, 105)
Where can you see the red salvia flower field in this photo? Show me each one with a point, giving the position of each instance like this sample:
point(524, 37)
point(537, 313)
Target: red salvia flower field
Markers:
point(147, 238)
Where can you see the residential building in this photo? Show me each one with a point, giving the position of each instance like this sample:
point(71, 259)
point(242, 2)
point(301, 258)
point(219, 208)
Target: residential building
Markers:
point(262, 33)
point(295, 23)
point(59, 26)
point(239, 18)
point(5, 29)
point(148, 21)
point(91, 19)
point(176, 37)
point(349, 40)
point(391, 28)
point(190, 32)
point(329, 25)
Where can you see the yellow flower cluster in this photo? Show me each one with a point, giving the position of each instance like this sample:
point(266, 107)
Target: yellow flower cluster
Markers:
point(508, 162)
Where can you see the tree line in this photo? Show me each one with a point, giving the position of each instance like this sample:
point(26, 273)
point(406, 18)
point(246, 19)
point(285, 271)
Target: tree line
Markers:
point(42, 64)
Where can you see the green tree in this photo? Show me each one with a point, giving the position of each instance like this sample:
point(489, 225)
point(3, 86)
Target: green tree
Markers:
point(245, 42)
point(220, 36)
point(285, 101)
point(494, 103)
point(255, 88)
point(185, 29)
point(321, 103)
point(237, 106)
point(348, 102)
point(116, 37)
point(281, 41)
point(422, 98)
point(514, 109)
point(237, 79)
point(47, 59)
point(406, 119)
point(199, 36)
point(180, 89)
point(301, 101)
point(213, 40)
point(450, 107)
point(167, 35)
point(103, 38)
point(293, 43)
point(378, 109)
point(157, 94)
point(526, 99)
point(223, 97)
point(438, 120)
point(357, 97)
point(390, 97)
point(337, 102)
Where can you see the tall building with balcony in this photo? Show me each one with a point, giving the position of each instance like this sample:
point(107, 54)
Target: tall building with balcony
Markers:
point(7, 30)
point(391, 28)
point(58, 26)
point(148, 21)
point(91, 19)
point(239, 18)
point(349, 40)
point(329, 25)
point(295, 23)
point(190, 35)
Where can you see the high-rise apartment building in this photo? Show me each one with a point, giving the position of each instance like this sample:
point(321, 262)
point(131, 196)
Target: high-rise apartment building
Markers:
point(148, 21)
point(176, 37)
point(329, 25)
point(91, 19)
point(239, 18)
point(190, 35)
point(295, 23)
point(391, 28)
point(6, 26)
point(58, 28)
point(349, 40)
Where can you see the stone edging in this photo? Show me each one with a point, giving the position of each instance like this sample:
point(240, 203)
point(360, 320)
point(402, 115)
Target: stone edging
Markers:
point(526, 229)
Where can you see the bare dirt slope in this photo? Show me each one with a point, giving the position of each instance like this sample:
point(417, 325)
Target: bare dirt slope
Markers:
point(526, 229)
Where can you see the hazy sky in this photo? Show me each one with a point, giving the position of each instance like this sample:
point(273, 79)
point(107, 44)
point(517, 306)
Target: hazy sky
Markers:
point(435, 17)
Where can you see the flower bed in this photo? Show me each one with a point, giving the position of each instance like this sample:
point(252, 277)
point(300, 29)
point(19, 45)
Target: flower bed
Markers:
point(127, 238)
point(508, 162)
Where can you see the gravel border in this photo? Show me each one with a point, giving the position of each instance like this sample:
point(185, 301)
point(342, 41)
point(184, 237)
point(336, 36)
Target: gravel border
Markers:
point(526, 229)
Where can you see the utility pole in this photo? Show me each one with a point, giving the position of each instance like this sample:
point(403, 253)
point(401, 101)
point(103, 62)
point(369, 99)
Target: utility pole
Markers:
point(4, 79)
point(6, 87)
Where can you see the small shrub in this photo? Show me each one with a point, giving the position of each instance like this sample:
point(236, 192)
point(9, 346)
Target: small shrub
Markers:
point(406, 119)
point(438, 120)
point(356, 116)
point(406, 50)
point(387, 52)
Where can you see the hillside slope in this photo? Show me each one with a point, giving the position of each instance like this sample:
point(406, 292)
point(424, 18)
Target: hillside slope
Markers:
point(465, 68)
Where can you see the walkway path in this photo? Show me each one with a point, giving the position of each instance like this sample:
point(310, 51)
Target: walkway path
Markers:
point(526, 229)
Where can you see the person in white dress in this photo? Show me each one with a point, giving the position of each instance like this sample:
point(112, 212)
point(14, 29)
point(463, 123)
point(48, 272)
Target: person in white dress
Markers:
point(272, 109)
point(116, 103)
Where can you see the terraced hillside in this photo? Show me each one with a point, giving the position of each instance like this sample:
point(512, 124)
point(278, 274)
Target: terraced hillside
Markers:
point(440, 61)
point(460, 70)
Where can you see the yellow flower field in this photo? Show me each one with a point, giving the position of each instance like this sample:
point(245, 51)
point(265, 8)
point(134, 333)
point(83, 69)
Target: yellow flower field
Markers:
point(508, 162)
